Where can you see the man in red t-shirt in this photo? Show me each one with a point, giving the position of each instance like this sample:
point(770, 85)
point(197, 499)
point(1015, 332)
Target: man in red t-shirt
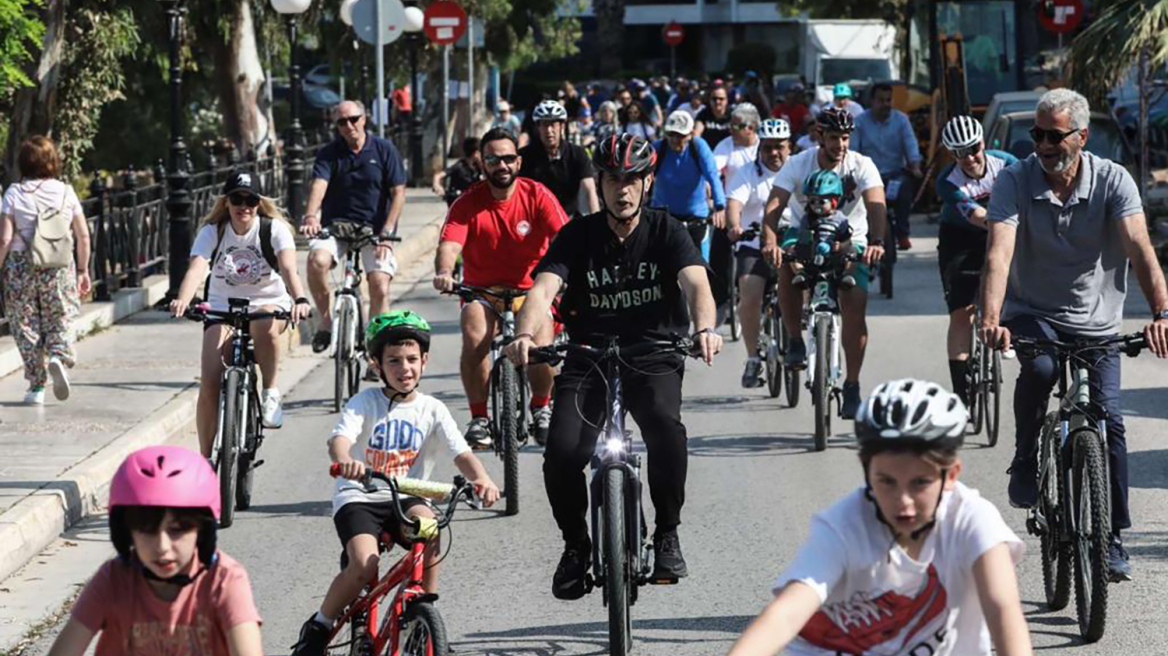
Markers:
point(502, 227)
point(793, 109)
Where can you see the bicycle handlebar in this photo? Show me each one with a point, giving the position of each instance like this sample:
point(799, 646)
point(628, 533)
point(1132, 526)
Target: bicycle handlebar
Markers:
point(432, 490)
point(203, 311)
point(361, 240)
point(556, 353)
point(469, 292)
point(1129, 345)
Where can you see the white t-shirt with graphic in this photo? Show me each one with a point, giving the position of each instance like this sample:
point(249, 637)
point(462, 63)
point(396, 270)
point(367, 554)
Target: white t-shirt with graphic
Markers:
point(752, 186)
point(240, 270)
point(728, 158)
point(877, 600)
point(858, 172)
point(406, 439)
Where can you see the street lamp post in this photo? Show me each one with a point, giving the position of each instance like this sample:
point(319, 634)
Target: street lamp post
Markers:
point(294, 169)
point(178, 197)
point(413, 33)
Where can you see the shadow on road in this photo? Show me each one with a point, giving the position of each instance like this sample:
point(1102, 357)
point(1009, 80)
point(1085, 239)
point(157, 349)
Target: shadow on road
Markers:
point(1148, 469)
point(591, 638)
point(302, 509)
point(1147, 544)
point(1144, 402)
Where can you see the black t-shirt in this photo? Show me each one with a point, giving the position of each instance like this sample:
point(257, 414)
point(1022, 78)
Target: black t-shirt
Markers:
point(562, 175)
point(716, 129)
point(459, 178)
point(628, 290)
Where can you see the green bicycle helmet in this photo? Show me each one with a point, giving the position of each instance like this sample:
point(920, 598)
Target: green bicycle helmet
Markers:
point(841, 90)
point(823, 183)
point(396, 325)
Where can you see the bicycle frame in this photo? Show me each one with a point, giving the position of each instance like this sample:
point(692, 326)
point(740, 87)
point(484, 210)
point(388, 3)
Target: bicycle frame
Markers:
point(240, 362)
point(823, 305)
point(406, 574)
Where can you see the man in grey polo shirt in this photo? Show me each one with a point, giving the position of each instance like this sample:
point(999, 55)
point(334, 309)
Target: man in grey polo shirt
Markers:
point(1076, 222)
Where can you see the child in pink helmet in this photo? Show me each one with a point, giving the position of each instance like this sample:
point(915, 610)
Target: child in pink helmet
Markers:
point(169, 590)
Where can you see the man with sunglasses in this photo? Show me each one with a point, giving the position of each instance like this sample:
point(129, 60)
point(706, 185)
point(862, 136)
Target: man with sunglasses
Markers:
point(735, 152)
point(885, 135)
point(501, 227)
point(964, 189)
point(1076, 222)
point(558, 165)
point(712, 123)
point(359, 177)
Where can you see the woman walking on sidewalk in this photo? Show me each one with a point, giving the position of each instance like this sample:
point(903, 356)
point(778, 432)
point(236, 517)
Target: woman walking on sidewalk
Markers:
point(247, 246)
point(43, 300)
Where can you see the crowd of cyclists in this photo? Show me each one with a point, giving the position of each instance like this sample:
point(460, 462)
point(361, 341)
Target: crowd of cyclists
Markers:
point(618, 214)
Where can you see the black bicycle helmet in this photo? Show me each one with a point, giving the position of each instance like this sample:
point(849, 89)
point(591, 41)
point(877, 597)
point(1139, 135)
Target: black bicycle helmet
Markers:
point(835, 119)
point(625, 154)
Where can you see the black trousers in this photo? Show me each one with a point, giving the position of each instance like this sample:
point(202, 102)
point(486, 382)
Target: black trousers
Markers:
point(652, 395)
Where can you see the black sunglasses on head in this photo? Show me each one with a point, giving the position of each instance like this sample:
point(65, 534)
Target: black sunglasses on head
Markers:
point(1053, 137)
point(241, 199)
point(351, 120)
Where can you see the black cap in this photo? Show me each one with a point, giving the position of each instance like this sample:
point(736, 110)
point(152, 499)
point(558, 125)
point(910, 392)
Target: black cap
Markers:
point(242, 181)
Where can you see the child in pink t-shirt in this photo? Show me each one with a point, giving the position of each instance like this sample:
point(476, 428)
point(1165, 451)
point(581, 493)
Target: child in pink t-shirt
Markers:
point(169, 590)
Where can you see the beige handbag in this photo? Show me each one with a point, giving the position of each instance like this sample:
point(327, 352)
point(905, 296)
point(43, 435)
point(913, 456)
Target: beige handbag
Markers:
point(52, 243)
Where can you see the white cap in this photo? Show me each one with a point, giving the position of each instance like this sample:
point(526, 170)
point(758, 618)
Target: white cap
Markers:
point(679, 122)
point(503, 106)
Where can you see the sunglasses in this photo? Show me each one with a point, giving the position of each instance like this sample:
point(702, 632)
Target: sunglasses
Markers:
point(717, 98)
point(741, 126)
point(494, 160)
point(1052, 137)
point(239, 200)
point(968, 151)
point(350, 120)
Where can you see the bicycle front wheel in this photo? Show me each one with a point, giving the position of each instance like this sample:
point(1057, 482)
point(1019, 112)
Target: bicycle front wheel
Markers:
point(232, 436)
point(423, 633)
point(343, 353)
point(975, 381)
point(820, 389)
point(792, 376)
point(774, 367)
point(992, 397)
point(1056, 554)
point(617, 579)
point(509, 433)
point(1092, 531)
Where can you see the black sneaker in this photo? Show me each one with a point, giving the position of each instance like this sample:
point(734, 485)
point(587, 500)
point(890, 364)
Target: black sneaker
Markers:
point(313, 639)
point(752, 375)
point(668, 563)
point(851, 402)
point(478, 434)
point(1023, 490)
point(1117, 563)
point(796, 355)
point(569, 582)
point(321, 341)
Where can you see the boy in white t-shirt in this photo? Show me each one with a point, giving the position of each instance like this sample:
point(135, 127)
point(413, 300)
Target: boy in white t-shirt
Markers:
point(397, 431)
point(914, 562)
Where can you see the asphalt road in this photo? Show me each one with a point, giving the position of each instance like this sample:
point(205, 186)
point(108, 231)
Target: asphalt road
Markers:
point(754, 483)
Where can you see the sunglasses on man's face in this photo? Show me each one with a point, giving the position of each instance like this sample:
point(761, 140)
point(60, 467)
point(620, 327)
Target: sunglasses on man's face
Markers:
point(741, 126)
point(968, 151)
point(1053, 137)
point(239, 200)
point(495, 160)
point(717, 98)
point(348, 120)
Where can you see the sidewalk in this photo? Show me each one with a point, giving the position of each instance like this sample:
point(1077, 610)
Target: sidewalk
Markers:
point(135, 384)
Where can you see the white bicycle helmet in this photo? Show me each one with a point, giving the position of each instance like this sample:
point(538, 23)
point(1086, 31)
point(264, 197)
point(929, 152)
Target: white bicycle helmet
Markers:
point(915, 413)
point(961, 132)
point(774, 128)
point(549, 110)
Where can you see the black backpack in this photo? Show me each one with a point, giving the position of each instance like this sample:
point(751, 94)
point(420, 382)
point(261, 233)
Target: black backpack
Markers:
point(269, 252)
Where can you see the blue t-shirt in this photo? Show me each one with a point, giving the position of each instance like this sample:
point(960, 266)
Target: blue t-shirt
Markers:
point(679, 184)
point(890, 144)
point(360, 185)
point(960, 194)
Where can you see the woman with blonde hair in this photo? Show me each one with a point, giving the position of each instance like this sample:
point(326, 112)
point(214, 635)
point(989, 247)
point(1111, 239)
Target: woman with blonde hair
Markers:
point(42, 302)
point(231, 247)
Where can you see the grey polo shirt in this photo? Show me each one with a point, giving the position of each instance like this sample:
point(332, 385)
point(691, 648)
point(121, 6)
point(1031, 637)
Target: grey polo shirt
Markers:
point(1069, 264)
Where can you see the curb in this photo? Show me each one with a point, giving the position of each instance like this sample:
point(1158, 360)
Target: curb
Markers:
point(35, 521)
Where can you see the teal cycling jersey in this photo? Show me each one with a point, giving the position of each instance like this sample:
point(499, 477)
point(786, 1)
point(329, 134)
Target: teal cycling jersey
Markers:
point(961, 195)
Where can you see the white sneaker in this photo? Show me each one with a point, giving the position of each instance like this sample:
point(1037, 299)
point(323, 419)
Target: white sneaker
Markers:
point(272, 410)
point(35, 397)
point(60, 378)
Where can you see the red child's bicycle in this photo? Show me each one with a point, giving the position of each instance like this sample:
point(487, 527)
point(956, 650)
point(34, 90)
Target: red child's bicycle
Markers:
point(382, 622)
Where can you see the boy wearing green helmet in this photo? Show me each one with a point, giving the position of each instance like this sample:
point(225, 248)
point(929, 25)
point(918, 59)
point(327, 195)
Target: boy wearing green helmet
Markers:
point(398, 431)
point(824, 191)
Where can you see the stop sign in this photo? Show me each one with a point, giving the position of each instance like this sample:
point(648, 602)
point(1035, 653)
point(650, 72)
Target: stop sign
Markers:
point(673, 34)
point(1060, 15)
point(445, 21)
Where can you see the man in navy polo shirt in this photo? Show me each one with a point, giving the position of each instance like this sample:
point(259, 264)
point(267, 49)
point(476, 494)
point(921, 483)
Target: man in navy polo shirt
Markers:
point(358, 177)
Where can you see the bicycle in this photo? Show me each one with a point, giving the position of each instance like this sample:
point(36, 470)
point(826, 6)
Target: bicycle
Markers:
point(773, 345)
point(510, 393)
point(241, 429)
point(412, 626)
point(348, 311)
point(823, 271)
point(620, 545)
point(984, 374)
point(1072, 518)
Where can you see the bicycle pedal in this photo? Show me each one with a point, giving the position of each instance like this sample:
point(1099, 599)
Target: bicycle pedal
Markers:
point(663, 580)
point(256, 464)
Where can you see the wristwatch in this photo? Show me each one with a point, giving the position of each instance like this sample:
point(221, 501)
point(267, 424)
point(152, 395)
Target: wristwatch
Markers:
point(303, 301)
point(1162, 314)
point(876, 242)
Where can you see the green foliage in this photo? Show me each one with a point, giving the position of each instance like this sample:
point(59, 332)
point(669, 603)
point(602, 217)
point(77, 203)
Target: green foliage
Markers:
point(1106, 50)
point(758, 57)
point(92, 77)
point(890, 10)
point(21, 31)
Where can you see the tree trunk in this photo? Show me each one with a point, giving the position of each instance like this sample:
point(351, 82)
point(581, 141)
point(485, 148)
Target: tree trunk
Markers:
point(610, 28)
point(33, 108)
point(241, 84)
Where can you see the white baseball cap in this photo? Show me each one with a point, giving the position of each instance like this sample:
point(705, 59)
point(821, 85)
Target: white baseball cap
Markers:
point(503, 106)
point(679, 122)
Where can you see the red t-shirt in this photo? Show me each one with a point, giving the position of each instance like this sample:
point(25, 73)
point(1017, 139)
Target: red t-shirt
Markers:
point(402, 100)
point(503, 240)
point(133, 621)
point(795, 114)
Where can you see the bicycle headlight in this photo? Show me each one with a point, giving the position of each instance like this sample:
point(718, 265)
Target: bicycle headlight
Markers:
point(614, 445)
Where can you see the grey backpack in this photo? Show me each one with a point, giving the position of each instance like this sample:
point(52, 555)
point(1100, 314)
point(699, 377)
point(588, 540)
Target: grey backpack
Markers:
point(52, 242)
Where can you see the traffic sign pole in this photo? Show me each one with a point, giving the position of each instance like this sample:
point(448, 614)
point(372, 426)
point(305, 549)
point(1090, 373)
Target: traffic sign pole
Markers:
point(673, 62)
point(445, 103)
point(380, 103)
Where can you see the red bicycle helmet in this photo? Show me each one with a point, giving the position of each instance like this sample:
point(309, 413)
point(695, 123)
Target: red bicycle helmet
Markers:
point(625, 154)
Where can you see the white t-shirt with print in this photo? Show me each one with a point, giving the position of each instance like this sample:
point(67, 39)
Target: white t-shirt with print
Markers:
point(752, 186)
point(858, 172)
point(728, 158)
point(877, 600)
point(240, 270)
point(407, 439)
point(22, 199)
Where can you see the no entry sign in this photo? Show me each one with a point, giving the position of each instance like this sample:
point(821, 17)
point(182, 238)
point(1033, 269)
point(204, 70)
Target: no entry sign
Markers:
point(445, 22)
point(1060, 15)
point(673, 34)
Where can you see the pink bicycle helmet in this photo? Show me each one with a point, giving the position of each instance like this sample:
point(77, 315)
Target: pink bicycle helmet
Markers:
point(164, 477)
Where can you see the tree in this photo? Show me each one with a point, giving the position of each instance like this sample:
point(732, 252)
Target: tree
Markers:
point(1105, 51)
point(20, 31)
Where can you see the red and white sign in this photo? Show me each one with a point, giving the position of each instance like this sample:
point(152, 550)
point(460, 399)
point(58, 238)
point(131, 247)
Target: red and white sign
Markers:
point(673, 34)
point(1060, 15)
point(445, 22)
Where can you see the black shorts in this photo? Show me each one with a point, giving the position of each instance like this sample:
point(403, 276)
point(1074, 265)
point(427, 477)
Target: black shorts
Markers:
point(751, 263)
point(358, 518)
point(961, 256)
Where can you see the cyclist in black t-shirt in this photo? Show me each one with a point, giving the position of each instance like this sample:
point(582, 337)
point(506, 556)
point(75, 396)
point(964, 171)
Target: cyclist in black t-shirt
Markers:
point(450, 184)
point(558, 165)
point(630, 273)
